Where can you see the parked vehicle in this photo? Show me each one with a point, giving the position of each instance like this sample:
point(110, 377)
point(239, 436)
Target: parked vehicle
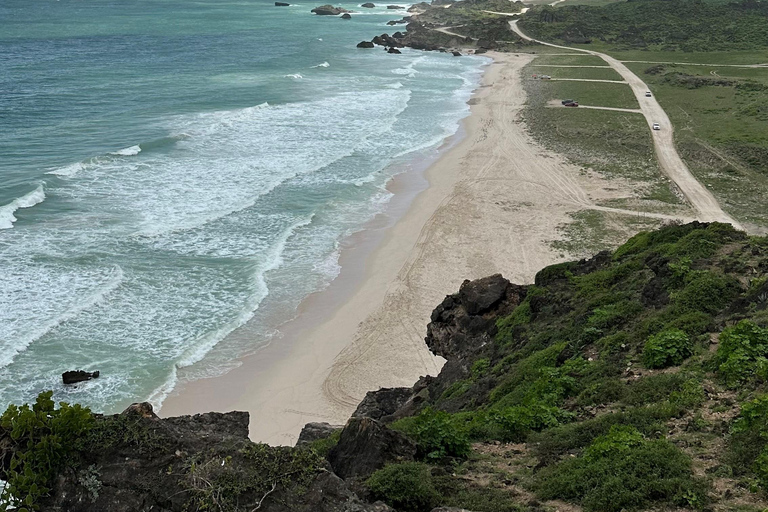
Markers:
point(647, 94)
point(567, 101)
point(656, 126)
point(571, 104)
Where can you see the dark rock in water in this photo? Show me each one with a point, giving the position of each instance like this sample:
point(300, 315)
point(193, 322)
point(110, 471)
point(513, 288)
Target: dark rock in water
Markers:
point(398, 35)
point(78, 376)
point(368, 5)
point(281, 4)
point(328, 10)
point(366, 445)
point(456, 53)
point(365, 44)
point(316, 431)
point(394, 50)
point(480, 50)
point(397, 22)
point(346, 16)
point(382, 403)
point(395, 7)
point(387, 40)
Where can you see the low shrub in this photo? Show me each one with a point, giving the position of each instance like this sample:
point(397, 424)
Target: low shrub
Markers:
point(44, 437)
point(667, 348)
point(742, 353)
point(748, 444)
point(438, 434)
point(406, 486)
point(705, 291)
point(623, 471)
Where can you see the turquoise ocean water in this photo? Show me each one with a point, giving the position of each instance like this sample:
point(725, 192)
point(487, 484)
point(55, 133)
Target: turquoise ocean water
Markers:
point(171, 169)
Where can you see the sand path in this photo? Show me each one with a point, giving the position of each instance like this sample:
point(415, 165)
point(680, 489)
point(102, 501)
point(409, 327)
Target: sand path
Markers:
point(669, 160)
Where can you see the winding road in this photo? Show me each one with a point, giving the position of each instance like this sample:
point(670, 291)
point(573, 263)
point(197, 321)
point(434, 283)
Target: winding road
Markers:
point(670, 162)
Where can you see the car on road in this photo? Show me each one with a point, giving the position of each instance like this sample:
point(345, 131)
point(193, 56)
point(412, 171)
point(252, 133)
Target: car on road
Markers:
point(656, 126)
point(567, 101)
point(571, 104)
point(647, 94)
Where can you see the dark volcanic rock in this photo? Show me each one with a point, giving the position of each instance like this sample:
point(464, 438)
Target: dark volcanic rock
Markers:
point(365, 44)
point(398, 35)
point(396, 22)
point(366, 445)
point(78, 376)
point(394, 50)
point(387, 40)
point(346, 16)
point(281, 4)
point(142, 410)
point(420, 7)
point(316, 431)
point(368, 5)
point(328, 10)
point(395, 7)
point(382, 403)
point(456, 53)
point(486, 44)
point(329, 493)
point(471, 313)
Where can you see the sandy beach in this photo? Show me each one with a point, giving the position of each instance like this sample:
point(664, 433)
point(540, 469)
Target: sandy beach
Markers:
point(493, 204)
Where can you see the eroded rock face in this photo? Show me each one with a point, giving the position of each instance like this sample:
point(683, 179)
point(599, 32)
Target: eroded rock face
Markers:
point(366, 445)
point(368, 5)
point(316, 431)
point(365, 44)
point(383, 403)
point(464, 321)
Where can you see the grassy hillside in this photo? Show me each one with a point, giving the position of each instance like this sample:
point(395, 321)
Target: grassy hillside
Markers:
point(687, 25)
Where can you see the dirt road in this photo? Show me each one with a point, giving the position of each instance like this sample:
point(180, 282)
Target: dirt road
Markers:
point(663, 140)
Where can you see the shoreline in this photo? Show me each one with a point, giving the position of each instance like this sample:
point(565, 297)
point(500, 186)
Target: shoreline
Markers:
point(494, 202)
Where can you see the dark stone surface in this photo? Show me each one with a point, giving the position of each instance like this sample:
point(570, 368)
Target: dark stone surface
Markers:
point(281, 4)
point(346, 16)
point(76, 376)
point(328, 10)
point(382, 403)
point(366, 445)
point(316, 431)
point(368, 5)
point(394, 50)
point(456, 53)
point(365, 44)
point(395, 7)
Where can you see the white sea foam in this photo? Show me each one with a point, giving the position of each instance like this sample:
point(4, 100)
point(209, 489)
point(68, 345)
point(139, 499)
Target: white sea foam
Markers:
point(131, 151)
point(321, 65)
point(68, 170)
point(295, 75)
point(22, 340)
point(29, 200)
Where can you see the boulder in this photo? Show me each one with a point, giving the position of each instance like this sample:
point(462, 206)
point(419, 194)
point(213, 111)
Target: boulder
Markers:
point(328, 10)
point(368, 5)
point(316, 431)
point(143, 410)
point(396, 22)
point(398, 35)
point(382, 403)
point(387, 40)
point(481, 295)
point(394, 50)
point(281, 4)
point(76, 376)
point(395, 7)
point(365, 44)
point(366, 445)
point(420, 7)
point(346, 16)
point(456, 53)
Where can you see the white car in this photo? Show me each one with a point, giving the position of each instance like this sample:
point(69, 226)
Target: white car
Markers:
point(656, 126)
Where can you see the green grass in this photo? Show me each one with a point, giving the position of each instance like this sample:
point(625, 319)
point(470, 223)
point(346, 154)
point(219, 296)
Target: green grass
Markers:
point(592, 231)
point(734, 57)
point(589, 93)
point(573, 60)
point(585, 73)
point(720, 131)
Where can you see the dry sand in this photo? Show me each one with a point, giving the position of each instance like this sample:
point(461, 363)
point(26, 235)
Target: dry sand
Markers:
point(494, 203)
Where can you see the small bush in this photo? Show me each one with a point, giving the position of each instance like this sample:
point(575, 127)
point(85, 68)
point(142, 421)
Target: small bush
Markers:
point(667, 348)
point(622, 470)
point(748, 444)
point(323, 446)
point(742, 353)
point(43, 438)
point(407, 486)
point(438, 435)
point(515, 423)
point(707, 292)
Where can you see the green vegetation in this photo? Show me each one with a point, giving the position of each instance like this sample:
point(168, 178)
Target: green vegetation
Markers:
point(582, 73)
point(667, 348)
point(622, 470)
point(44, 438)
point(407, 486)
point(687, 25)
point(719, 113)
